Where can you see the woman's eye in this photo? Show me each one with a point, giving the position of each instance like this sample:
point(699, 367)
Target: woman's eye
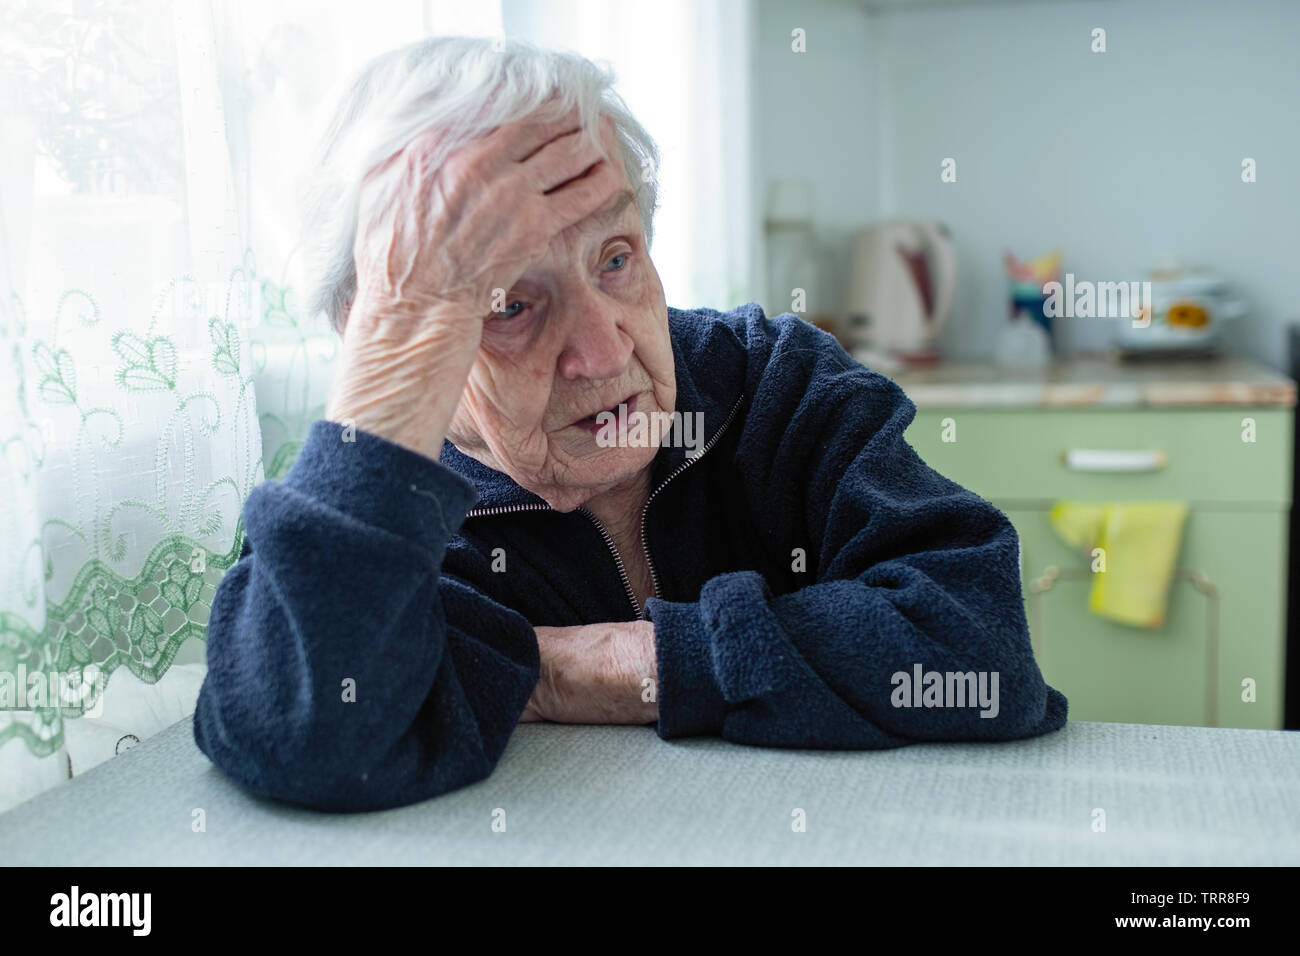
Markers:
point(618, 262)
point(513, 309)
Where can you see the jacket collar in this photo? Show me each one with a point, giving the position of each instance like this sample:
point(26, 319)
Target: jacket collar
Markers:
point(708, 381)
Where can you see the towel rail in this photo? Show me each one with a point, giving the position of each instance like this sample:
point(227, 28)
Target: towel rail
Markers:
point(1099, 459)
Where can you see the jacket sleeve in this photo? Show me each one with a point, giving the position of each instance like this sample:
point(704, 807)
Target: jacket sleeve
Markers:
point(908, 574)
point(345, 672)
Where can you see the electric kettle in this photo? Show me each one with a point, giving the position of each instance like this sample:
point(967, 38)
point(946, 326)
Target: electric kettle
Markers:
point(901, 290)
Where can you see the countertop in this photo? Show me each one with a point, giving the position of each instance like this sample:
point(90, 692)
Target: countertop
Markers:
point(1098, 381)
point(620, 795)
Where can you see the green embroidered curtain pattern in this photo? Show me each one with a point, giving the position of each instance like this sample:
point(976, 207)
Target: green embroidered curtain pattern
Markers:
point(155, 370)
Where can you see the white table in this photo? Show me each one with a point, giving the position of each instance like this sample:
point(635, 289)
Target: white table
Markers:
point(573, 795)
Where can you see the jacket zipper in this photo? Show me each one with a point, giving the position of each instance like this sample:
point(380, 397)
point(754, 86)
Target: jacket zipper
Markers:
point(618, 560)
point(506, 509)
point(609, 541)
point(645, 510)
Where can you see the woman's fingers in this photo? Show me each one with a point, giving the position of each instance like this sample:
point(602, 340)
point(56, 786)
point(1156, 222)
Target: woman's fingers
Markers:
point(577, 179)
point(569, 156)
point(453, 231)
point(589, 194)
point(517, 142)
point(561, 161)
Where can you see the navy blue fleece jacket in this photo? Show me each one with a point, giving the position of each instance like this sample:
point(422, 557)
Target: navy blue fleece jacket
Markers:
point(363, 653)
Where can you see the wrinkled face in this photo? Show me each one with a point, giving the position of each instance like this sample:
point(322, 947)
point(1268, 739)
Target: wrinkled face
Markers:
point(584, 330)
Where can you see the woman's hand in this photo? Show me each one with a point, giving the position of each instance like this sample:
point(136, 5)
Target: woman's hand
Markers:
point(596, 674)
point(433, 246)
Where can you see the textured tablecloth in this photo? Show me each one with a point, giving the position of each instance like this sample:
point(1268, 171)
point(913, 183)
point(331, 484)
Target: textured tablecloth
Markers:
point(620, 795)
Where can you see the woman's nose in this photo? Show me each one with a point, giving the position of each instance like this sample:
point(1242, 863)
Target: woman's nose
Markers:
point(595, 346)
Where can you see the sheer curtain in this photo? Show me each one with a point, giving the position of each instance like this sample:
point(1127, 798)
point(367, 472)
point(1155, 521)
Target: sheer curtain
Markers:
point(157, 365)
point(131, 436)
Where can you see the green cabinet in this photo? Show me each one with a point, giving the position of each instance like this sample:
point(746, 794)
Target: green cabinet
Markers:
point(1225, 626)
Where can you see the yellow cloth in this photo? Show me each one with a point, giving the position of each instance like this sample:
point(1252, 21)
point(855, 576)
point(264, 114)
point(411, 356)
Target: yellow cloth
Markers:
point(1140, 540)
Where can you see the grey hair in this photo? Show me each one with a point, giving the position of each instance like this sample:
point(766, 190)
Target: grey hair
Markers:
point(464, 87)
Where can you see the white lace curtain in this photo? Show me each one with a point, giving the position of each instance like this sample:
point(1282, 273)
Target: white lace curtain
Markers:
point(155, 363)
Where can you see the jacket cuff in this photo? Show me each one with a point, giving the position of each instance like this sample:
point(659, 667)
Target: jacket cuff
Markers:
point(690, 701)
point(381, 484)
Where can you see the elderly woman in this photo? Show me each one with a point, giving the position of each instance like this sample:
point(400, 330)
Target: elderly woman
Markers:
point(539, 493)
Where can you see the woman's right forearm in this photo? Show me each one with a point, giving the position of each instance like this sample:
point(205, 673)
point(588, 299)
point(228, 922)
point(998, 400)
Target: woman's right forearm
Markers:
point(332, 678)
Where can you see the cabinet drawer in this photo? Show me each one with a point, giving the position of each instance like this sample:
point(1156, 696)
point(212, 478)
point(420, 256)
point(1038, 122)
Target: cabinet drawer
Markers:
point(1194, 454)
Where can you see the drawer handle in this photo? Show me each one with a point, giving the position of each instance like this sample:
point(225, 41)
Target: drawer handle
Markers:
point(1096, 459)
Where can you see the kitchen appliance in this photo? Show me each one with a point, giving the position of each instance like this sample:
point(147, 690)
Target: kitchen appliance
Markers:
point(1188, 312)
point(901, 291)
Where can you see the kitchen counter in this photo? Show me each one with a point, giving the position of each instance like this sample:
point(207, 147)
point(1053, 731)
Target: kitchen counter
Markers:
point(1097, 381)
point(620, 795)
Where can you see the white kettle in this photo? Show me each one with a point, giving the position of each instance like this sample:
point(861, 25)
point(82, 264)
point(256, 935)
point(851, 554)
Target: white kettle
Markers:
point(901, 293)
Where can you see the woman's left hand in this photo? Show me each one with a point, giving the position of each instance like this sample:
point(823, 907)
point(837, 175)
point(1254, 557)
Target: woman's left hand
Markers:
point(596, 674)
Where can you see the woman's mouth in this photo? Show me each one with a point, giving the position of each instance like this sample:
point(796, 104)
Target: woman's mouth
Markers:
point(591, 423)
